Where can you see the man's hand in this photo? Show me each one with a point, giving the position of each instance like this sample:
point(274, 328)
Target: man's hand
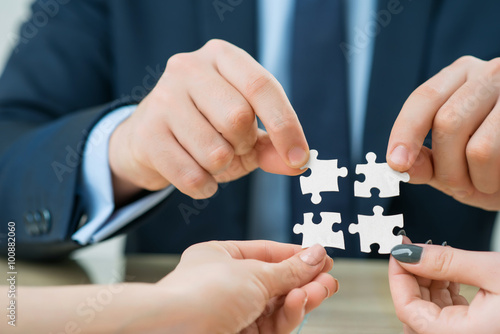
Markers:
point(461, 106)
point(426, 293)
point(198, 126)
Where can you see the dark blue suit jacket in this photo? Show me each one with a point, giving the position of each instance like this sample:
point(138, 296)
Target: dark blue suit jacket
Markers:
point(95, 55)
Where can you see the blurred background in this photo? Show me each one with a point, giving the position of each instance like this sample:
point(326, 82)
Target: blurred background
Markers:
point(12, 14)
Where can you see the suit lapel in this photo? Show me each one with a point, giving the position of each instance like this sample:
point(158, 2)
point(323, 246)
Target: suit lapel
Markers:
point(236, 24)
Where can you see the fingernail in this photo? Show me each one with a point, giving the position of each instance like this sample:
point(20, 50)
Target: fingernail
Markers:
point(327, 292)
point(407, 253)
point(428, 242)
point(444, 244)
point(337, 285)
point(402, 232)
point(399, 156)
point(313, 255)
point(297, 157)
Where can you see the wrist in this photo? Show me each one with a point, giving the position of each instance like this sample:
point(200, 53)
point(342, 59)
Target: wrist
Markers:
point(124, 189)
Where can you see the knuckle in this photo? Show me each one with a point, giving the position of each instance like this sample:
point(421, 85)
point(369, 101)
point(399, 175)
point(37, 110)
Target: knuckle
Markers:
point(429, 92)
point(466, 60)
point(180, 62)
point(291, 276)
point(216, 45)
point(480, 151)
point(258, 85)
point(281, 125)
point(448, 121)
point(193, 180)
point(443, 262)
point(494, 66)
point(220, 157)
point(240, 118)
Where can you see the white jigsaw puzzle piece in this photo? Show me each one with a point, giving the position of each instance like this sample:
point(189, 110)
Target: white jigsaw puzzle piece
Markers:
point(377, 229)
point(324, 177)
point(321, 233)
point(378, 175)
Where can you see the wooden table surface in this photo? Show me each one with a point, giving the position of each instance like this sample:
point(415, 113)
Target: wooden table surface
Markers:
point(362, 305)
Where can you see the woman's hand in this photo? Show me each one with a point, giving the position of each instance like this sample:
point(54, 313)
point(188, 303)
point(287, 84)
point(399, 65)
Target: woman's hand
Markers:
point(461, 106)
point(218, 287)
point(250, 287)
point(425, 287)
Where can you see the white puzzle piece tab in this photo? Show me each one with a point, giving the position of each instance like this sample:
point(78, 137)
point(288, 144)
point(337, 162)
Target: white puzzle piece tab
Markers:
point(378, 175)
point(377, 229)
point(321, 233)
point(324, 177)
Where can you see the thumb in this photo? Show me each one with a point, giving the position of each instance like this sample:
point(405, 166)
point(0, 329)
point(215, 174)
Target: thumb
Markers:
point(480, 269)
point(294, 272)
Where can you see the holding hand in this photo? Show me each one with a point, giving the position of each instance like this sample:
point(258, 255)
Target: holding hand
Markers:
point(218, 287)
point(425, 287)
point(198, 126)
point(461, 106)
point(254, 286)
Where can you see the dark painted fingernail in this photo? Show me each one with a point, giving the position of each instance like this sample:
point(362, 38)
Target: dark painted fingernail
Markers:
point(444, 244)
point(402, 232)
point(428, 242)
point(407, 253)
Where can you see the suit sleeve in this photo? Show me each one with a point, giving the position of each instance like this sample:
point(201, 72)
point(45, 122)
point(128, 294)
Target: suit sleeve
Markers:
point(55, 87)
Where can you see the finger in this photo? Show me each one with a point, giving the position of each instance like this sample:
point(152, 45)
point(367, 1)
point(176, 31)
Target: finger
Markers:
point(455, 122)
point(207, 146)
point(170, 159)
point(480, 269)
point(322, 287)
point(455, 294)
point(262, 250)
point(439, 293)
point(418, 315)
point(263, 155)
point(483, 155)
point(297, 271)
point(291, 314)
point(417, 115)
point(226, 109)
point(267, 98)
point(403, 285)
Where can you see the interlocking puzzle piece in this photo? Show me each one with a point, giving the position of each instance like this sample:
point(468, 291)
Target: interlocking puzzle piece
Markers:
point(321, 233)
point(324, 177)
point(378, 175)
point(377, 229)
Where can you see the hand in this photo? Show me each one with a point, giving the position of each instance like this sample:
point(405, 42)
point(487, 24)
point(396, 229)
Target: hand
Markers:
point(250, 287)
point(460, 105)
point(426, 294)
point(198, 126)
point(218, 287)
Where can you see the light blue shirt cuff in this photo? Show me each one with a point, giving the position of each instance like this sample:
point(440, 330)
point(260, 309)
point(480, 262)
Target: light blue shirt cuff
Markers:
point(97, 188)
